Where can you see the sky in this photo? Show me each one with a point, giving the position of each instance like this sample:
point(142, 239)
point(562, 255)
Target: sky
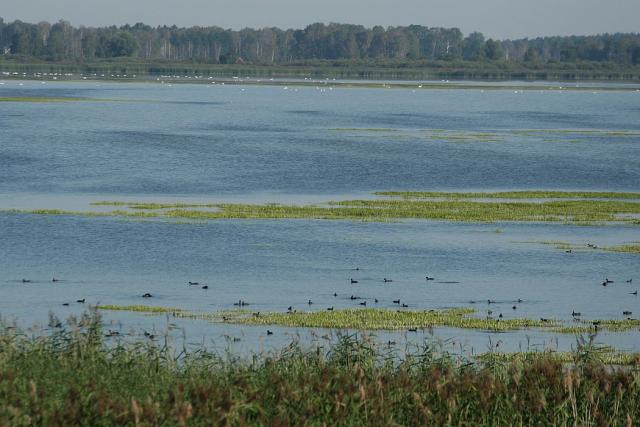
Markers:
point(495, 18)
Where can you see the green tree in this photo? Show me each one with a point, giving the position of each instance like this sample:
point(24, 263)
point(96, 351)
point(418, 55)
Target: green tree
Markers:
point(121, 44)
point(474, 47)
point(493, 50)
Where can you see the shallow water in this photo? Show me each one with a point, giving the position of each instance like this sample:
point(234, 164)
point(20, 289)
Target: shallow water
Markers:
point(152, 142)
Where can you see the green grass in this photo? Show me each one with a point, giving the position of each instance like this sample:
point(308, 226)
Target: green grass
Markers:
point(363, 129)
point(633, 248)
point(586, 208)
point(604, 355)
point(372, 319)
point(73, 377)
point(512, 195)
point(36, 99)
point(377, 319)
point(139, 308)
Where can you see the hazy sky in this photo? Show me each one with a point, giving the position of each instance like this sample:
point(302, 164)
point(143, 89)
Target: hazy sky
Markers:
point(495, 18)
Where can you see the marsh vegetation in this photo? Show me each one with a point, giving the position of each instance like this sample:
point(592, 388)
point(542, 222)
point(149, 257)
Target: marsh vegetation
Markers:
point(531, 206)
point(70, 376)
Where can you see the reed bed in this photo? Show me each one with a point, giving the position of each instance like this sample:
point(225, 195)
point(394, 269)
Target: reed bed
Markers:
point(72, 377)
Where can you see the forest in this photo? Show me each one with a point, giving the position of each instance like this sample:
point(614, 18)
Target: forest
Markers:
point(412, 44)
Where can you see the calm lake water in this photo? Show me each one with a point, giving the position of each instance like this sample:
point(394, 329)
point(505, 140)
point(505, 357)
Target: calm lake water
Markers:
point(259, 144)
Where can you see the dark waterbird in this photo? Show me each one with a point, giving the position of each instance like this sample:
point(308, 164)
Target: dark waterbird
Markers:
point(396, 301)
point(405, 305)
point(387, 280)
point(147, 295)
point(330, 309)
point(429, 278)
point(193, 283)
point(376, 300)
point(575, 313)
point(363, 303)
point(81, 301)
point(607, 280)
point(65, 304)
point(240, 303)
point(634, 293)
point(630, 280)
point(205, 287)
point(26, 281)
point(353, 281)
point(627, 313)
point(54, 279)
point(310, 302)
point(413, 329)
point(269, 332)
point(514, 307)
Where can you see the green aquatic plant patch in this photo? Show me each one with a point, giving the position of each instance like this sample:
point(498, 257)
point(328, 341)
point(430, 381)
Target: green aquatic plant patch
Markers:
point(375, 319)
point(512, 195)
point(139, 308)
point(52, 99)
point(384, 319)
point(632, 248)
point(567, 207)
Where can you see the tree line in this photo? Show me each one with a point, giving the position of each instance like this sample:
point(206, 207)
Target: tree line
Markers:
point(215, 45)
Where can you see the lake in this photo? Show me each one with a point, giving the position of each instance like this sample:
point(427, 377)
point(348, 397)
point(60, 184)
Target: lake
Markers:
point(288, 144)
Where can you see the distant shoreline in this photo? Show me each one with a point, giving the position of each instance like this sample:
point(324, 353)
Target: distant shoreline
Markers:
point(329, 83)
point(409, 72)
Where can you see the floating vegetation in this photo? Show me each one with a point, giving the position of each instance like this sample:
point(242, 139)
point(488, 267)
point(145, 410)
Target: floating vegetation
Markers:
point(41, 99)
point(218, 316)
point(383, 319)
point(374, 319)
point(632, 248)
point(459, 136)
point(588, 208)
point(154, 206)
point(139, 308)
point(511, 195)
point(363, 130)
point(591, 326)
point(578, 132)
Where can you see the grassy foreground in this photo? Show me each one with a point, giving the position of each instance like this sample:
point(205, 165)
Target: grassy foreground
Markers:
point(71, 377)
